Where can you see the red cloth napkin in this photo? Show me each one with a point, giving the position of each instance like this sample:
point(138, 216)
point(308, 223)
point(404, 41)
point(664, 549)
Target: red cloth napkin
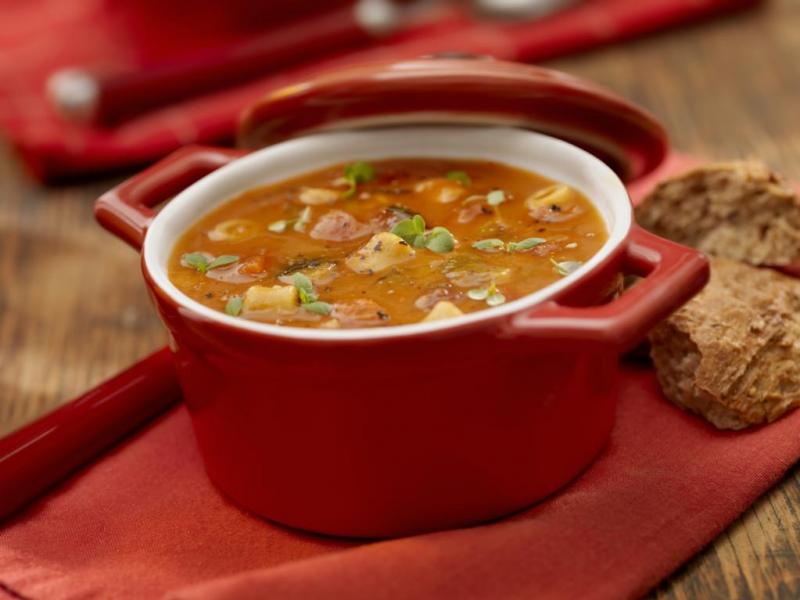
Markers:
point(39, 36)
point(144, 522)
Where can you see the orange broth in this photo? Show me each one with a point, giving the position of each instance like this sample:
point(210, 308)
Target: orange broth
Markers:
point(512, 232)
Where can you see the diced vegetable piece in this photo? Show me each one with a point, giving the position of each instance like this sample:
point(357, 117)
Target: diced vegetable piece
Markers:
point(441, 190)
point(320, 272)
point(318, 196)
point(254, 265)
point(469, 212)
point(382, 251)
point(276, 297)
point(278, 226)
point(495, 197)
point(443, 310)
point(339, 226)
point(234, 230)
point(359, 313)
point(553, 194)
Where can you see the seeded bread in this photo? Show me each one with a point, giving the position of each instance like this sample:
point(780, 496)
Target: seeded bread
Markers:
point(736, 210)
point(732, 354)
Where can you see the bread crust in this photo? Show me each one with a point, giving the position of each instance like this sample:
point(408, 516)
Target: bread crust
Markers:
point(732, 354)
point(737, 210)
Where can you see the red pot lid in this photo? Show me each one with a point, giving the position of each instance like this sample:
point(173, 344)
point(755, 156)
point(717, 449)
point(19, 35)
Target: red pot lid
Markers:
point(463, 90)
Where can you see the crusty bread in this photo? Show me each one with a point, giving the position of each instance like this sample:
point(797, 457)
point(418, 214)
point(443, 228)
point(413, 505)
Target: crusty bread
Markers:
point(732, 354)
point(736, 210)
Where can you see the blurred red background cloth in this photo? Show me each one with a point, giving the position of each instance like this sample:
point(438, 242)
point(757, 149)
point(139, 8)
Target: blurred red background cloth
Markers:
point(40, 36)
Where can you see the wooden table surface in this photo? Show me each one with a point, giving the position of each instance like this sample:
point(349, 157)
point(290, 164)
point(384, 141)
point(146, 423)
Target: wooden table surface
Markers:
point(77, 311)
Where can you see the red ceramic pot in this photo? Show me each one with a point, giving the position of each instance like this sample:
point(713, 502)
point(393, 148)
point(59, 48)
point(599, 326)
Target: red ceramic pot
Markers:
point(397, 430)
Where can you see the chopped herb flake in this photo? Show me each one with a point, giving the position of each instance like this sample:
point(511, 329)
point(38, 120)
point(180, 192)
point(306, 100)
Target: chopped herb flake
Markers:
point(490, 244)
point(197, 261)
point(411, 230)
point(497, 245)
point(461, 177)
point(525, 244)
point(303, 220)
point(491, 295)
point(221, 261)
point(440, 240)
point(302, 282)
point(565, 267)
point(355, 173)
point(320, 308)
point(308, 297)
point(234, 305)
point(495, 299)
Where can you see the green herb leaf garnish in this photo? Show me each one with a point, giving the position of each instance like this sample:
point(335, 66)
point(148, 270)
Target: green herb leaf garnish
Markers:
point(305, 289)
point(197, 261)
point(234, 305)
point(565, 267)
point(495, 299)
point(496, 197)
point(525, 244)
point(411, 230)
point(491, 295)
point(278, 226)
point(308, 297)
point(320, 308)
point(489, 244)
point(355, 173)
point(459, 176)
point(440, 240)
point(221, 261)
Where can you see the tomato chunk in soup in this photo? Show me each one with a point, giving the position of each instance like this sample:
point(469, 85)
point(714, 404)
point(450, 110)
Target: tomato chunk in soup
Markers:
point(389, 242)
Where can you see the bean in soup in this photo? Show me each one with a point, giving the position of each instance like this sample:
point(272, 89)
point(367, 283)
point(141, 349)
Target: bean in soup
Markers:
point(390, 242)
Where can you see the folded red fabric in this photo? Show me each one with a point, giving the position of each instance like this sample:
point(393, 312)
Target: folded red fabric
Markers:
point(44, 35)
point(144, 522)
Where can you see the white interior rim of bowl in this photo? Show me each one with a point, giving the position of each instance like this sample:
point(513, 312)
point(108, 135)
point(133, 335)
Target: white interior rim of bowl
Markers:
point(545, 155)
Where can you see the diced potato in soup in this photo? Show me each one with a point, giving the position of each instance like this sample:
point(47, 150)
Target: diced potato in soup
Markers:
point(390, 242)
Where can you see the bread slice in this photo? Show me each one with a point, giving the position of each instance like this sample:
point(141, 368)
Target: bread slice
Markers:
point(732, 354)
point(736, 210)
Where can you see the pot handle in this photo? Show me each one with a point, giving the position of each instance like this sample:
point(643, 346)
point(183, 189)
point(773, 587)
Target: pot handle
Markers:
point(672, 275)
point(126, 210)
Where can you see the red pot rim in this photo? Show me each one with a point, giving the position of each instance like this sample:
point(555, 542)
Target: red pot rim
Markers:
point(165, 225)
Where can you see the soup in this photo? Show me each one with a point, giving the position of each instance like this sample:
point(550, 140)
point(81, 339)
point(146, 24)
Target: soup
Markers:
point(389, 242)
